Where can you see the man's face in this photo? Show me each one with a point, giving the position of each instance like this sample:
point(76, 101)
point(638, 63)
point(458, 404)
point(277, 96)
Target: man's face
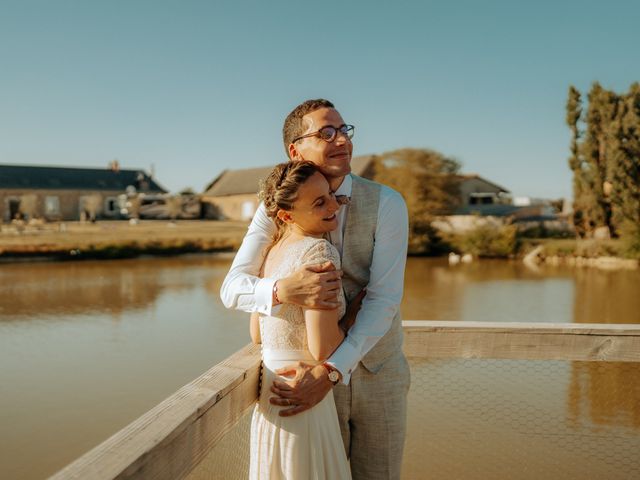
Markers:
point(333, 159)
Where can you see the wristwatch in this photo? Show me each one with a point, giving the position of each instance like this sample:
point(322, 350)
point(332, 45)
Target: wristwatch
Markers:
point(334, 376)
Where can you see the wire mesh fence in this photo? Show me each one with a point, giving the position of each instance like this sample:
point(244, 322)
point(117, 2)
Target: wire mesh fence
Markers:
point(487, 401)
point(523, 419)
point(229, 458)
point(501, 419)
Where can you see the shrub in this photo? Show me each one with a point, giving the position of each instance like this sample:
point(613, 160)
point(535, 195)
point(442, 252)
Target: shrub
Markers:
point(630, 237)
point(486, 241)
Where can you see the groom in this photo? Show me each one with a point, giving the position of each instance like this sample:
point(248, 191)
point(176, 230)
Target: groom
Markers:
point(368, 370)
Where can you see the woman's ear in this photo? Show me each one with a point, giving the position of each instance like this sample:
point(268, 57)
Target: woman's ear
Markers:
point(284, 216)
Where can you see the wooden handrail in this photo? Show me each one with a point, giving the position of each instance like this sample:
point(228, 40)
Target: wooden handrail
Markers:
point(168, 441)
point(533, 341)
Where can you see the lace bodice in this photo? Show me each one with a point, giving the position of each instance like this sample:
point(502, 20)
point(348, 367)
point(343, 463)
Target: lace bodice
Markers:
point(286, 329)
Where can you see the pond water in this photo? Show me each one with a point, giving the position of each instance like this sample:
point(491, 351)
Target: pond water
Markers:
point(87, 347)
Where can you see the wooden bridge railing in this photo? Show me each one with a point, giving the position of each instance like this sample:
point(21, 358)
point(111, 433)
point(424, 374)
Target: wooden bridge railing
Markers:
point(170, 440)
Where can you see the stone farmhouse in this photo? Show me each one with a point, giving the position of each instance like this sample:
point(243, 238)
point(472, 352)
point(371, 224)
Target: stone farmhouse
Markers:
point(69, 193)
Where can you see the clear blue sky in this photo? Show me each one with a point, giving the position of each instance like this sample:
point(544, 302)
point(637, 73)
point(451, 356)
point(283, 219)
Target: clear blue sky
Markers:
point(194, 87)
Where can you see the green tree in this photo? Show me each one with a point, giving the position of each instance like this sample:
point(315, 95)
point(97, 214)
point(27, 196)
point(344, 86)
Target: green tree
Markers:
point(580, 188)
point(624, 172)
point(605, 160)
point(427, 180)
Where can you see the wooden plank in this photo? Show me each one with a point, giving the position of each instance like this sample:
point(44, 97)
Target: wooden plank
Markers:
point(168, 441)
point(523, 327)
point(429, 340)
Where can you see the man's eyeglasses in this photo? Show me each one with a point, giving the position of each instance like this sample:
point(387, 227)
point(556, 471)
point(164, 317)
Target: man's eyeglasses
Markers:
point(329, 133)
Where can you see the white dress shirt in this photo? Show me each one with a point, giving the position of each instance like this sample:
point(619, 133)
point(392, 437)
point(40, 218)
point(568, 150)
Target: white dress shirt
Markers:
point(243, 290)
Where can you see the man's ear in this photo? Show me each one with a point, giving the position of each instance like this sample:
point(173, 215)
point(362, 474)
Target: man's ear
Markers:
point(294, 154)
point(284, 216)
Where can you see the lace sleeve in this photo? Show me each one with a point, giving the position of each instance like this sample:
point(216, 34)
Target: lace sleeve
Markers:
point(320, 252)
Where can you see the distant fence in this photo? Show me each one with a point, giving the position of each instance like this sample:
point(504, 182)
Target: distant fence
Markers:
point(485, 402)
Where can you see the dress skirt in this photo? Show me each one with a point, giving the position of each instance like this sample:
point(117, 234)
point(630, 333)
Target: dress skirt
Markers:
point(305, 446)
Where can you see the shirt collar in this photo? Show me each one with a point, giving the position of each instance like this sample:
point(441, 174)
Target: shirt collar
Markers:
point(345, 187)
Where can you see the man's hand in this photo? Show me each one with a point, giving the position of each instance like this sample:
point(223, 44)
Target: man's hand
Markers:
point(308, 386)
point(312, 286)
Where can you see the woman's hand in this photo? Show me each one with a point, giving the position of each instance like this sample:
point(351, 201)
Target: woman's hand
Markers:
point(349, 318)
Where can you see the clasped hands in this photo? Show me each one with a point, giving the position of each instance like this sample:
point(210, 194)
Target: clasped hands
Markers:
point(313, 286)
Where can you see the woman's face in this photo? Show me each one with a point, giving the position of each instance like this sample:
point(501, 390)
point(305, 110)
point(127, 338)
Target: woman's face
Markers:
point(314, 211)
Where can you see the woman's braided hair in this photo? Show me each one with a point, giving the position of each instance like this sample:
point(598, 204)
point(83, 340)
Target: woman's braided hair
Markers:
point(279, 190)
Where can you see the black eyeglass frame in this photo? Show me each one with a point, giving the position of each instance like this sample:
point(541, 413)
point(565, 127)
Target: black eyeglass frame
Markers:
point(347, 130)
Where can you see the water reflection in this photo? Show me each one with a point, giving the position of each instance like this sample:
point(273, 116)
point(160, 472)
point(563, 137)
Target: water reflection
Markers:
point(508, 291)
point(604, 393)
point(606, 296)
point(87, 347)
point(29, 291)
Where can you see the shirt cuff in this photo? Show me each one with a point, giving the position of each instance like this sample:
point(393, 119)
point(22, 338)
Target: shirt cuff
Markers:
point(345, 359)
point(264, 295)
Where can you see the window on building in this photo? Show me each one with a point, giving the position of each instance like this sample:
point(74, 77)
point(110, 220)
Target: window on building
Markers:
point(248, 209)
point(482, 198)
point(51, 206)
point(111, 206)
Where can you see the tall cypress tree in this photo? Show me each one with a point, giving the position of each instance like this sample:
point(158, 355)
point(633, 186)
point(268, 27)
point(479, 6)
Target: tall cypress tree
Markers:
point(574, 112)
point(595, 151)
point(605, 160)
point(625, 167)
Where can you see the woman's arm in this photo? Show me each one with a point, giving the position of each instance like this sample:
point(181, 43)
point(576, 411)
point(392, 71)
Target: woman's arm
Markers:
point(254, 328)
point(323, 332)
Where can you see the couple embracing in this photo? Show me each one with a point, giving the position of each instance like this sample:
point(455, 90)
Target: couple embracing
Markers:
point(321, 269)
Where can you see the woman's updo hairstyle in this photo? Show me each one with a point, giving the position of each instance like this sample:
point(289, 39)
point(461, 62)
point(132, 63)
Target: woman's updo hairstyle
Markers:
point(279, 190)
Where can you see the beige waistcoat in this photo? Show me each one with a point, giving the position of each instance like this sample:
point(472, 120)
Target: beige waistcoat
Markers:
point(357, 253)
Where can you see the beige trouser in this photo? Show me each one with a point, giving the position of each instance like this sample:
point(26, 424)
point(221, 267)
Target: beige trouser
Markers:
point(372, 411)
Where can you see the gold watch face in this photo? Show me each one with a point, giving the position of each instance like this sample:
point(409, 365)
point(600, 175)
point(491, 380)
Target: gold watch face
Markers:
point(333, 376)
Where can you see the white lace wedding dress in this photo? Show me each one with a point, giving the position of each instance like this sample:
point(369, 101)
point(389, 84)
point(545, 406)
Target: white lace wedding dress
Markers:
point(307, 445)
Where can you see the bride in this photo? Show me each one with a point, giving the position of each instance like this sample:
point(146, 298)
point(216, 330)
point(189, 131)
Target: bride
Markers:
point(309, 445)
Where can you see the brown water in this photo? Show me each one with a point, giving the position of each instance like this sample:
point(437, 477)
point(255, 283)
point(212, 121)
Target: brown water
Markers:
point(85, 348)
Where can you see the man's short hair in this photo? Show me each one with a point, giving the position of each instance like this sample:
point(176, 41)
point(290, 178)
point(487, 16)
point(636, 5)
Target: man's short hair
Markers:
point(293, 125)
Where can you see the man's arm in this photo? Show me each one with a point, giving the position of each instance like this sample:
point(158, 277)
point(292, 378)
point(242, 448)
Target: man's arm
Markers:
point(242, 289)
point(314, 286)
point(385, 288)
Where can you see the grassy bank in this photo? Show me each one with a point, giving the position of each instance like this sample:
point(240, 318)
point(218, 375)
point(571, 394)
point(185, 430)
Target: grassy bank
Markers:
point(508, 242)
point(571, 247)
point(118, 239)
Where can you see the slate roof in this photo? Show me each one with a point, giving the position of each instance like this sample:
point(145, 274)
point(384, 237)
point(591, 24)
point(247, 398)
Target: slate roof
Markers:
point(247, 180)
point(73, 178)
point(471, 176)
